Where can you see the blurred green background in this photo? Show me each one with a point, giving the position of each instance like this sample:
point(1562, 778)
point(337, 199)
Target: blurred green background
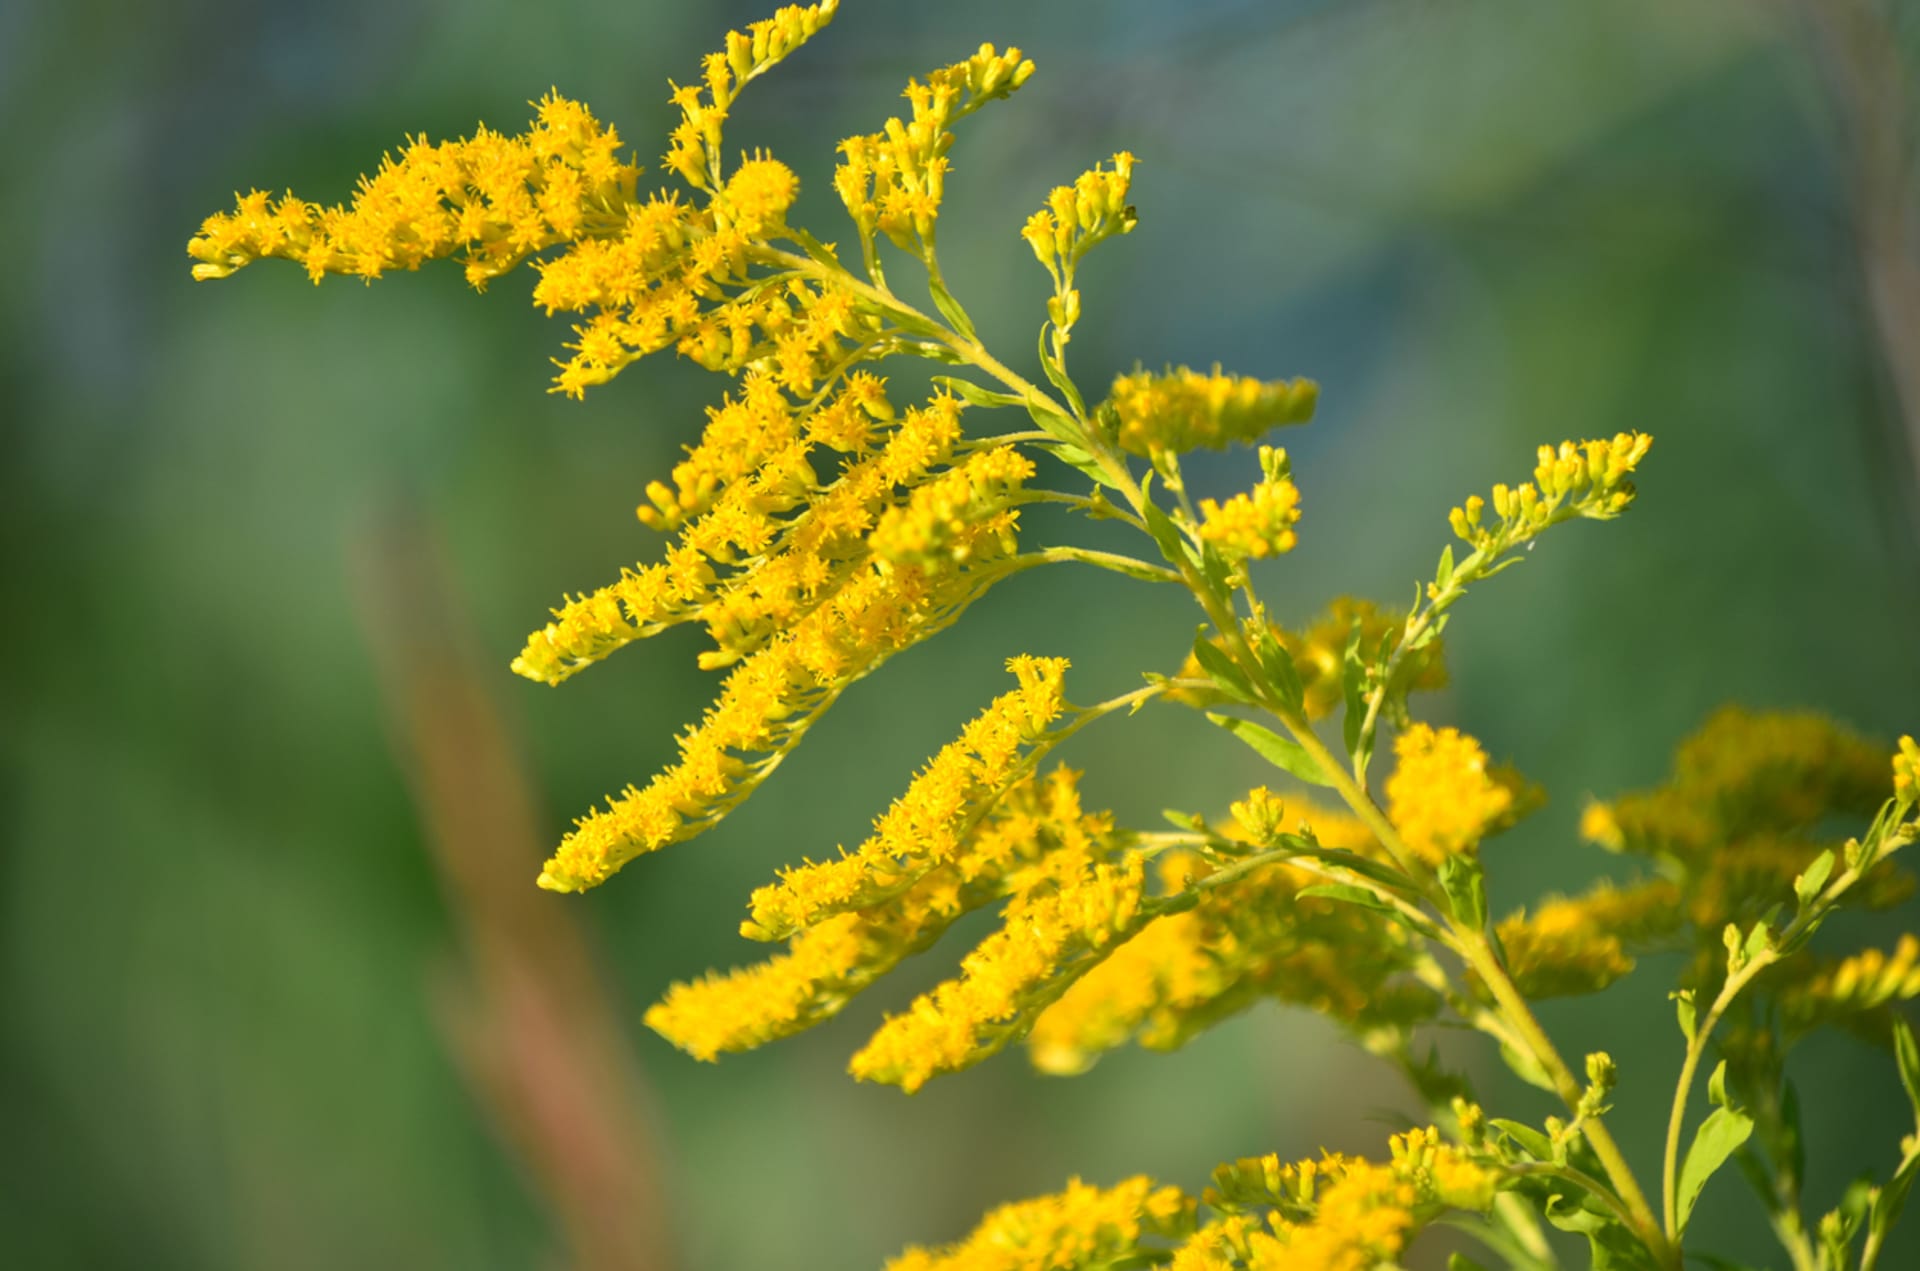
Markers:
point(238, 987)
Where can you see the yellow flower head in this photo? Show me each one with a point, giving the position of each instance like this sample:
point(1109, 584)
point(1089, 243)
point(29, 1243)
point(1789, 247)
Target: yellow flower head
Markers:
point(1259, 524)
point(1441, 796)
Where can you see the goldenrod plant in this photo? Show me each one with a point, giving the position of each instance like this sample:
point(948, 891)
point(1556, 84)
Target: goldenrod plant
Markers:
point(820, 527)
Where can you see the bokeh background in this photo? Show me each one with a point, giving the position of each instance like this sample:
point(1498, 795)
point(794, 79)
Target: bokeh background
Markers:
point(275, 988)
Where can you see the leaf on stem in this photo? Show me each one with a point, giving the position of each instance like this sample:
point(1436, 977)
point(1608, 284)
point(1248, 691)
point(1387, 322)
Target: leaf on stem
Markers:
point(1279, 751)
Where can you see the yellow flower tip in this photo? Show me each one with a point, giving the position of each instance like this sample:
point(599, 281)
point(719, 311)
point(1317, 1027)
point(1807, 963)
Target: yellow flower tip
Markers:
point(550, 881)
point(1441, 795)
point(1259, 524)
point(1599, 826)
point(1906, 771)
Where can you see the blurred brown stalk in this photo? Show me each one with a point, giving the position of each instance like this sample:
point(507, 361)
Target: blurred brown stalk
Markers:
point(1856, 46)
point(525, 1010)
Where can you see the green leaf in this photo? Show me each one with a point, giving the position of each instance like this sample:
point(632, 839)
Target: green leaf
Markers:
point(1349, 894)
point(1525, 1137)
point(1275, 749)
point(1906, 1054)
point(1444, 575)
point(1457, 1261)
point(1279, 667)
point(973, 394)
point(1353, 684)
point(1528, 1069)
point(1717, 1086)
point(1687, 1010)
point(813, 247)
point(1890, 1199)
point(1077, 458)
point(1222, 670)
point(1057, 374)
point(950, 308)
point(1719, 1136)
point(1813, 878)
point(1165, 533)
point(1466, 886)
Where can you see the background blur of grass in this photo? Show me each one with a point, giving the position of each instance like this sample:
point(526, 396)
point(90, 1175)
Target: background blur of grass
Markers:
point(231, 973)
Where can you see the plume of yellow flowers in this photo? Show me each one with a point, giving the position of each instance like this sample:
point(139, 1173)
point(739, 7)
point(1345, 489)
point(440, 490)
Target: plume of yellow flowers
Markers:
point(1083, 1226)
point(815, 529)
point(1441, 796)
point(1181, 409)
point(1578, 945)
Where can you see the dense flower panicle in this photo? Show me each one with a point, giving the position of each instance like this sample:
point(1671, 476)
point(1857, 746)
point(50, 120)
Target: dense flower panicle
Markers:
point(1259, 524)
point(1255, 939)
point(1744, 773)
point(646, 274)
point(930, 825)
point(958, 516)
point(766, 705)
point(494, 198)
point(1084, 1226)
point(1441, 796)
point(1588, 478)
point(1073, 909)
point(840, 954)
point(894, 180)
point(1862, 985)
point(1583, 944)
point(1180, 410)
point(1337, 1213)
point(1906, 772)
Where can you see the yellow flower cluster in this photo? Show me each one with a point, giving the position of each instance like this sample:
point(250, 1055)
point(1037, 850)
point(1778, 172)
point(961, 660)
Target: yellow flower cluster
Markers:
point(1076, 218)
point(806, 587)
point(493, 197)
point(894, 180)
point(1337, 1213)
point(1741, 818)
point(840, 954)
point(1072, 909)
point(694, 145)
point(933, 823)
point(1587, 479)
point(1864, 983)
point(946, 521)
point(648, 274)
point(1581, 945)
point(1259, 524)
point(1743, 774)
point(1182, 409)
point(1441, 796)
point(1084, 1226)
point(1257, 938)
